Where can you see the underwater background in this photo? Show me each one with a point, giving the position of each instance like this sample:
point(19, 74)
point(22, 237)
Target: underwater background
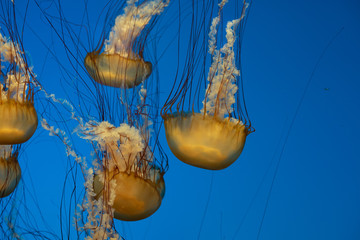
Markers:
point(293, 52)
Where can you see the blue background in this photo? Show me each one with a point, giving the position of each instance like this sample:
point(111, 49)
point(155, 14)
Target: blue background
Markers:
point(316, 192)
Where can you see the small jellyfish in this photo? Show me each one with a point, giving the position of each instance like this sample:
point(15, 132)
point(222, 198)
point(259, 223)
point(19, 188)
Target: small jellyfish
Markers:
point(18, 118)
point(10, 172)
point(212, 137)
point(121, 64)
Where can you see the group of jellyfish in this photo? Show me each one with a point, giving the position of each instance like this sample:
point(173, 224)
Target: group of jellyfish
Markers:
point(126, 179)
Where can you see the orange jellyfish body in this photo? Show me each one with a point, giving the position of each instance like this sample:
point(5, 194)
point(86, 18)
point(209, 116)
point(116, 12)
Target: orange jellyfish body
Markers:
point(116, 71)
point(10, 175)
point(204, 141)
point(136, 198)
point(18, 122)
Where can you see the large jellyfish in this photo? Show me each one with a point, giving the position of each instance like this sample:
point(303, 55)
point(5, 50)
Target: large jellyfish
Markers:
point(212, 136)
point(122, 64)
point(18, 118)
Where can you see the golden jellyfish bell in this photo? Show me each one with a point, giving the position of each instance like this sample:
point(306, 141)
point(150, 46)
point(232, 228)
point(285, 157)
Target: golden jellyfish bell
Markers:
point(18, 121)
point(10, 175)
point(136, 198)
point(115, 70)
point(204, 141)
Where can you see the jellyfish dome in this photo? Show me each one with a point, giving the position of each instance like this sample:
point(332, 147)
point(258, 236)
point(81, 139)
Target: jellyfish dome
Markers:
point(10, 172)
point(214, 137)
point(130, 178)
point(18, 122)
point(18, 118)
point(204, 141)
point(115, 70)
point(136, 198)
point(121, 64)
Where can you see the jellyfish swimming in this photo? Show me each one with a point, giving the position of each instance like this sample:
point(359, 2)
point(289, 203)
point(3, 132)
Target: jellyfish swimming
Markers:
point(212, 136)
point(129, 177)
point(121, 64)
point(18, 118)
point(10, 172)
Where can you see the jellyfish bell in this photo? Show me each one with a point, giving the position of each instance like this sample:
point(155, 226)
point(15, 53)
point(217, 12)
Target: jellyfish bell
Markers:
point(136, 198)
point(204, 141)
point(10, 175)
point(121, 64)
point(10, 172)
point(116, 71)
point(214, 136)
point(18, 121)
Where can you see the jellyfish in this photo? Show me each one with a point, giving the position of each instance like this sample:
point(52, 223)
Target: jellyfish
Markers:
point(212, 136)
point(121, 64)
point(18, 118)
point(129, 175)
point(127, 180)
point(10, 172)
